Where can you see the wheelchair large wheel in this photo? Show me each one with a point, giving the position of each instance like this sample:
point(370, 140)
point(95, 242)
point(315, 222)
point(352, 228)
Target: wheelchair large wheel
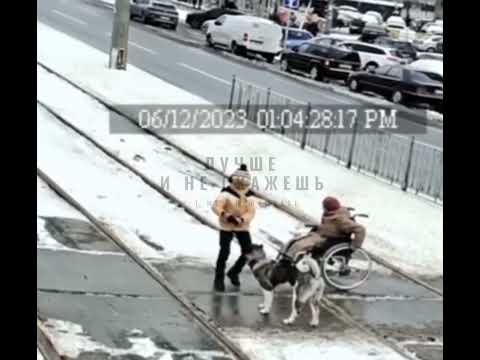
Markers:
point(342, 276)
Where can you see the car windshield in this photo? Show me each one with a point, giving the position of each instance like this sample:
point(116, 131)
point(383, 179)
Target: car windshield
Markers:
point(424, 76)
point(165, 6)
point(298, 35)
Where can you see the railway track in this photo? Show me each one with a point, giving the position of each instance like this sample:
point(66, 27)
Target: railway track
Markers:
point(206, 323)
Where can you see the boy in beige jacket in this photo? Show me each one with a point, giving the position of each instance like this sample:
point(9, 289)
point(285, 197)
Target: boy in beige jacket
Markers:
point(235, 208)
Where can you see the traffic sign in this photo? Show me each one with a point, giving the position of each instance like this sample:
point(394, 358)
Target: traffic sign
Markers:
point(291, 4)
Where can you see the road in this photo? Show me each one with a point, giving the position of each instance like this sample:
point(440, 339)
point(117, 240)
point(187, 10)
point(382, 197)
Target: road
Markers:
point(198, 71)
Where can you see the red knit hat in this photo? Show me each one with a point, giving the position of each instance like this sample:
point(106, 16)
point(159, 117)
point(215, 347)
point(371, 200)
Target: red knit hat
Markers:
point(331, 204)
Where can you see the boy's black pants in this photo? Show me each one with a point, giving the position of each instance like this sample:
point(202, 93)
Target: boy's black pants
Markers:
point(226, 238)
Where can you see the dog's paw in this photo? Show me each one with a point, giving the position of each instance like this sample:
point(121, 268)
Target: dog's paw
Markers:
point(264, 311)
point(261, 306)
point(288, 321)
point(313, 323)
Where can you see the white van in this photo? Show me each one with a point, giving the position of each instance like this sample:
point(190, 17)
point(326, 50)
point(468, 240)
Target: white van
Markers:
point(243, 34)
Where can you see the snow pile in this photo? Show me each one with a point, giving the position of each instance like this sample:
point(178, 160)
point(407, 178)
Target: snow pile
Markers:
point(402, 227)
point(310, 346)
point(70, 340)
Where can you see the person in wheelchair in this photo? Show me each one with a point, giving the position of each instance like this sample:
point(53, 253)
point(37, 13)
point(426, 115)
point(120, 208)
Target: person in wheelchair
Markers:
point(337, 226)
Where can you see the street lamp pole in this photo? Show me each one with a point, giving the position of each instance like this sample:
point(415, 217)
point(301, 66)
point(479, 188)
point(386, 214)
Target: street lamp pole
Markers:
point(119, 40)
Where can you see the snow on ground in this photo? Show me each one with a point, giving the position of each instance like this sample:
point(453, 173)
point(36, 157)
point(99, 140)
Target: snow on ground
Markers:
point(50, 204)
point(115, 195)
point(402, 228)
point(309, 346)
point(120, 199)
point(39, 356)
point(71, 340)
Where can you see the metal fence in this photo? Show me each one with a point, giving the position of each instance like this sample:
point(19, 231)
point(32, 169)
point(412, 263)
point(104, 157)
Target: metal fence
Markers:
point(398, 159)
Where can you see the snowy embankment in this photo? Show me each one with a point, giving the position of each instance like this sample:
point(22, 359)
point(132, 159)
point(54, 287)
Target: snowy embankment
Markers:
point(403, 228)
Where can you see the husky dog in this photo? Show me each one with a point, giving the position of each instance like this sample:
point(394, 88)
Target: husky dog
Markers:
point(309, 287)
point(303, 273)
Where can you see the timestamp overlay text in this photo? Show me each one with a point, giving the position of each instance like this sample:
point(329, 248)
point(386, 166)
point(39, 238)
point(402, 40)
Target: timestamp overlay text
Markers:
point(219, 119)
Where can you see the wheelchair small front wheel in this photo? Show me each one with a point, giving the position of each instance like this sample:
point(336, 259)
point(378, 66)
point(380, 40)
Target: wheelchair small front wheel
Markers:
point(345, 269)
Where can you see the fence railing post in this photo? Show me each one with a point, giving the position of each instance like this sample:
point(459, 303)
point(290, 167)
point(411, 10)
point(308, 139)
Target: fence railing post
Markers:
point(409, 165)
point(305, 126)
point(352, 145)
point(267, 107)
point(327, 140)
point(248, 94)
point(232, 92)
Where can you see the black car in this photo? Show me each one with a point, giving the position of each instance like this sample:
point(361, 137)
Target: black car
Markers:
point(195, 20)
point(404, 48)
point(320, 62)
point(401, 84)
point(439, 47)
point(372, 31)
point(356, 26)
point(155, 11)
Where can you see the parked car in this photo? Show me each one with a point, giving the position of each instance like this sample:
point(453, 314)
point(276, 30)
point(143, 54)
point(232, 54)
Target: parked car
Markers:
point(433, 28)
point(154, 11)
point(397, 29)
point(196, 19)
point(404, 49)
point(371, 32)
point(346, 14)
point(431, 68)
point(296, 37)
point(377, 15)
point(246, 34)
point(331, 39)
point(320, 62)
point(400, 84)
point(427, 43)
point(373, 56)
point(356, 25)
point(439, 47)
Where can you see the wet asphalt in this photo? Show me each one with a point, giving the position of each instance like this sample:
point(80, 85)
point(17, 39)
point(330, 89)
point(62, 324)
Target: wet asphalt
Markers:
point(109, 295)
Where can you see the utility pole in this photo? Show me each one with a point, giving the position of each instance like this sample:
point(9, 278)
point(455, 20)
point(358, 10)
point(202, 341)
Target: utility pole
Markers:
point(328, 15)
point(119, 44)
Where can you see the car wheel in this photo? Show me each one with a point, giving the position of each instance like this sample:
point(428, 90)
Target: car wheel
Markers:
point(397, 97)
point(209, 40)
point(284, 65)
point(173, 27)
point(431, 50)
point(354, 85)
point(371, 66)
point(237, 50)
point(313, 73)
point(144, 19)
point(195, 24)
point(270, 58)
